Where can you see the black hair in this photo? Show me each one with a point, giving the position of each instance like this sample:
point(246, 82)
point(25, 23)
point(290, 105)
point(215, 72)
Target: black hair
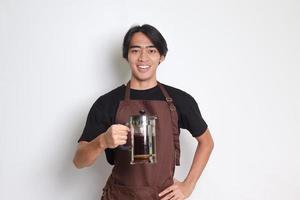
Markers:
point(152, 33)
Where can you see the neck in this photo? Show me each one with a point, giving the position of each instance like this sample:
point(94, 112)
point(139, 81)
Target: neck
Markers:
point(142, 85)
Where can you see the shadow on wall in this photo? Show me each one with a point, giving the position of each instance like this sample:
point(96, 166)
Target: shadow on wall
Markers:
point(120, 66)
point(89, 180)
point(116, 66)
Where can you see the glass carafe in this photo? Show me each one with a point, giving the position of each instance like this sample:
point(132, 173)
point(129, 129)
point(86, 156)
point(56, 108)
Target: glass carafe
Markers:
point(143, 138)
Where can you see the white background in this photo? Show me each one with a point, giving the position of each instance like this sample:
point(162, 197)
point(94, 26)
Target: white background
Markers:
point(239, 59)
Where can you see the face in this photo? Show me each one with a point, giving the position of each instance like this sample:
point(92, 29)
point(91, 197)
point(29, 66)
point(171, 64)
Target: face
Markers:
point(143, 58)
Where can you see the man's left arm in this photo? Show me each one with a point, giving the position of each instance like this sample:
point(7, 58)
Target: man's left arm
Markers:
point(182, 190)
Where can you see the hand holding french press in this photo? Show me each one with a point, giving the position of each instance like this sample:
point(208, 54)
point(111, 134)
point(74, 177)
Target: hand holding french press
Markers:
point(116, 135)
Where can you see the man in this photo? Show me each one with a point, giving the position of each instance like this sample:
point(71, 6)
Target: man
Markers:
point(144, 48)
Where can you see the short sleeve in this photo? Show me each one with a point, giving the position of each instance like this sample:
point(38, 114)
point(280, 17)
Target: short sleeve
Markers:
point(98, 121)
point(191, 118)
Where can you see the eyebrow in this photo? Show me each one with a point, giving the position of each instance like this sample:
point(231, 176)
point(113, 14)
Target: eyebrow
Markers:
point(137, 46)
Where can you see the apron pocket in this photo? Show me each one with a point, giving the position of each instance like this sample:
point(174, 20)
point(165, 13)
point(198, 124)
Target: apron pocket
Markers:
point(117, 192)
point(145, 193)
point(121, 192)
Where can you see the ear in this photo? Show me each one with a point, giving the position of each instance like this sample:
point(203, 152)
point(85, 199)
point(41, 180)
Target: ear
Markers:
point(162, 58)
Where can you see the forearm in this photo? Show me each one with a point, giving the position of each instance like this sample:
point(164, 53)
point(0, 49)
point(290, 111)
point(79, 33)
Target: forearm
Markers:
point(200, 160)
point(88, 152)
point(184, 189)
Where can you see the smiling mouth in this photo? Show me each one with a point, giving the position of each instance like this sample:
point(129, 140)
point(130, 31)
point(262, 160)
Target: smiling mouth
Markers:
point(143, 66)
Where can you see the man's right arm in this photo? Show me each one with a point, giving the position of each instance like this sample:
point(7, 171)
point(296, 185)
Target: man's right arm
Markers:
point(87, 152)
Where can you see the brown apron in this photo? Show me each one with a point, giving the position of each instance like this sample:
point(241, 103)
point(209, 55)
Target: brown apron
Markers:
point(145, 181)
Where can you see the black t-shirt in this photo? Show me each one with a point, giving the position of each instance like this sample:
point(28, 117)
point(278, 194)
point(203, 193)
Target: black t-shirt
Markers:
point(103, 112)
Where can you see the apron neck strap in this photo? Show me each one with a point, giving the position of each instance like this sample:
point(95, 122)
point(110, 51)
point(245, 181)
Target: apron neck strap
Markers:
point(127, 91)
point(164, 91)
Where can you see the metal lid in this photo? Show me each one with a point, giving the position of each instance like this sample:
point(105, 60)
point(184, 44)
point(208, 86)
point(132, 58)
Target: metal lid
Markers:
point(143, 118)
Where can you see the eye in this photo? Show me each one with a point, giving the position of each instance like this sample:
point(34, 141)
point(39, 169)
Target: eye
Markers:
point(152, 51)
point(134, 51)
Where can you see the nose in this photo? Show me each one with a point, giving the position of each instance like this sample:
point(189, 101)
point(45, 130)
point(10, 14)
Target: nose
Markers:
point(143, 55)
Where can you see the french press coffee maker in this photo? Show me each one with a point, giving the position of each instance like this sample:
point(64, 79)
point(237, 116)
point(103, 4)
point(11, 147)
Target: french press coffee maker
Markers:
point(143, 138)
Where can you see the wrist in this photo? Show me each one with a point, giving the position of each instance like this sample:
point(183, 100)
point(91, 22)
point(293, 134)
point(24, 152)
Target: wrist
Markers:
point(101, 142)
point(189, 182)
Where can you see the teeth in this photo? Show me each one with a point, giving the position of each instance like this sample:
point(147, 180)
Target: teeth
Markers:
point(143, 66)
